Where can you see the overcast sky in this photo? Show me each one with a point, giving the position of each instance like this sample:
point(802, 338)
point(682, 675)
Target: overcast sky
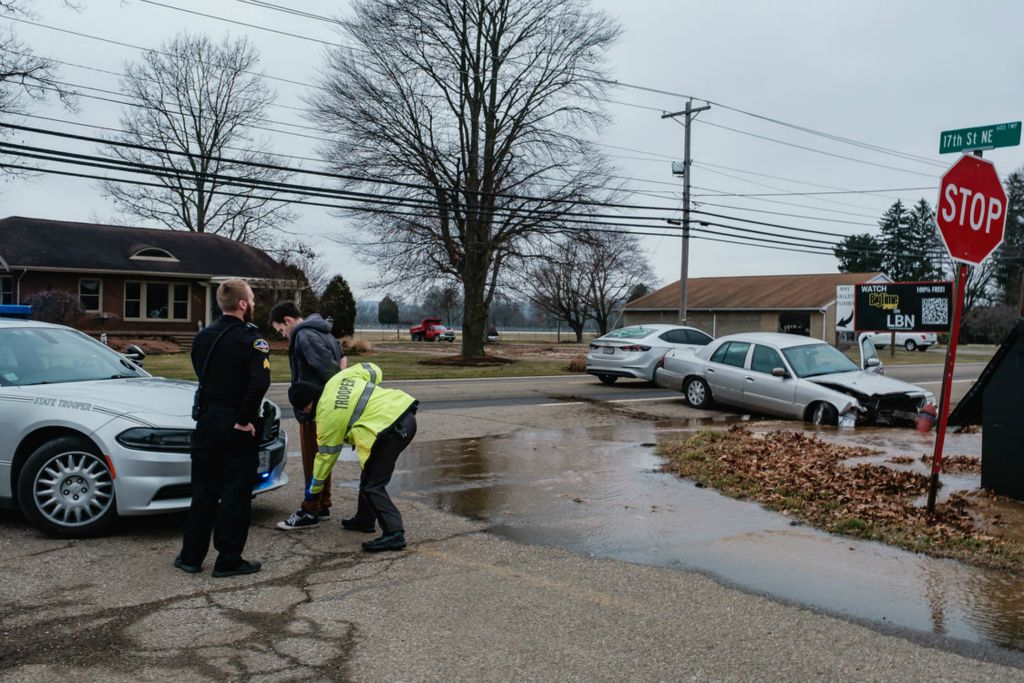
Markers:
point(892, 74)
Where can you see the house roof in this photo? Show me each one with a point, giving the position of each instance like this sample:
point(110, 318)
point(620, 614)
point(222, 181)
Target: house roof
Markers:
point(66, 245)
point(757, 292)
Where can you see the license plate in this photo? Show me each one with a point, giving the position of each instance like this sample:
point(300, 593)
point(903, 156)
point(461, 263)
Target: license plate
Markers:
point(264, 462)
point(608, 349)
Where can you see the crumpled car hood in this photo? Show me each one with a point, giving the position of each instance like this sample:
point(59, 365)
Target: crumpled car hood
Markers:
point(867, 383)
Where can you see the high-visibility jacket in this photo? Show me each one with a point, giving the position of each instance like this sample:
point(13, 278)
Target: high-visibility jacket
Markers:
point(353, 410)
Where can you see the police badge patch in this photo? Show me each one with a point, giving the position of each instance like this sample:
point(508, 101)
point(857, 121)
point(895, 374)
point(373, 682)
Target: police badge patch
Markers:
point(261, 345)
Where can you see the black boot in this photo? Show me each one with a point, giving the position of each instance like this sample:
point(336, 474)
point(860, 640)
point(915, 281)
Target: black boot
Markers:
point(392, 541)
point(350, 525)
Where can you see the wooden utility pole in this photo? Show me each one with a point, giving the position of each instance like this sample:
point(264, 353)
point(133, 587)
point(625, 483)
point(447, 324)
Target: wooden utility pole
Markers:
point(684, 262)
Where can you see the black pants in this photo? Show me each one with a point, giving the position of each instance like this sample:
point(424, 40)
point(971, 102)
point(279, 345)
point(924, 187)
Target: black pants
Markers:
point(224, 464)
point(374, 501)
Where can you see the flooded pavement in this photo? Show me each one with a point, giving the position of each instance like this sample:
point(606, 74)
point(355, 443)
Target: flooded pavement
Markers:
point(600, 492)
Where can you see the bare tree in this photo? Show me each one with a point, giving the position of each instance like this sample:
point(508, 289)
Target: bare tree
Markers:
point(615, 266)
point(25, 76)
point(195, 104)
point(476, 112)
point(560, 285)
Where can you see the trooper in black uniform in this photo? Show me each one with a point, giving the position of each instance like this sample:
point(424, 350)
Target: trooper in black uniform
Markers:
point(225, 455)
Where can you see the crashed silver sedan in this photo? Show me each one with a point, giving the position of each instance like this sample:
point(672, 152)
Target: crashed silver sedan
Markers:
point(86, 435)
point(792, 376)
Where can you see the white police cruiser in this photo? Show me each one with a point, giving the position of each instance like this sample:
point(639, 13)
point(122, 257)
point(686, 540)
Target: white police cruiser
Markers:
point(87, 435)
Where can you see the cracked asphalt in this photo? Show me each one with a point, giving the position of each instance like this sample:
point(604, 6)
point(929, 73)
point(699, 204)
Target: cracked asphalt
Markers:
point(459, 604)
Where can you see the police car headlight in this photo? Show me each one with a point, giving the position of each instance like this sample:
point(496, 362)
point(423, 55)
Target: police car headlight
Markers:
point(149, 439)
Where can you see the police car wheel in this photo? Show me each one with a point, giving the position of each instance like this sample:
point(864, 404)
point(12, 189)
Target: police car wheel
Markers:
point(65, 488)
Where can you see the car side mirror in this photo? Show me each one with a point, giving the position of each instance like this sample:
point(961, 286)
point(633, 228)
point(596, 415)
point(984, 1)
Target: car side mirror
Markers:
point(134, 354)
point(873, 362)
point(780, 372)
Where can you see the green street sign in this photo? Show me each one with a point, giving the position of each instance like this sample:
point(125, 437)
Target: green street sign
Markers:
point(982, 137)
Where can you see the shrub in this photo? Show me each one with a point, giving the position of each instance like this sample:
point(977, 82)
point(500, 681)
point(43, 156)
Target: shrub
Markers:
point(578, 364)
point(56, 306)
point(355, 346)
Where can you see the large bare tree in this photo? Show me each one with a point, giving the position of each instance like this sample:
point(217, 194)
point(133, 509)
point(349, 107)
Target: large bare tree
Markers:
point(195, 102)
point(477, 113)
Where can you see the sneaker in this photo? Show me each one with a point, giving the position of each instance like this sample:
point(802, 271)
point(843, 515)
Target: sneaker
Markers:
point(324, 514)
point(350, 525)
point(299, 520)
point(188, 568)
point(392, 541)
point(246, 567)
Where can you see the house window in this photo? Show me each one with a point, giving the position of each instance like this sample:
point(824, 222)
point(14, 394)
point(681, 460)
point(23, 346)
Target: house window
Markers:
point(6, 290)
point(153, 254)
point(156, 301)
point(180, 303)
point(132, 300)
point(90, 295)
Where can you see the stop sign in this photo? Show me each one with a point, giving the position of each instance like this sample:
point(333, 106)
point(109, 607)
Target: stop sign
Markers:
point(971, 210)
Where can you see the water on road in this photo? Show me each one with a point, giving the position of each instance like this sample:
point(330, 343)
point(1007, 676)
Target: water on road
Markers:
point(601, 492)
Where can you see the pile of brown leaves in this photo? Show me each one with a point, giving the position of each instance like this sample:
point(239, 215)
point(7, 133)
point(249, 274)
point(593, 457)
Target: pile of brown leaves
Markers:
point(808, 478)
point(956, 464)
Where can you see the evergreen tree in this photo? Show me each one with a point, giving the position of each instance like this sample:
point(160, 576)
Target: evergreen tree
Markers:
point(1010, 256)
point(638, 291)
point(899, 250)
point(387, 311)
point(922, 252)
point(860, 254)
point(338, 303)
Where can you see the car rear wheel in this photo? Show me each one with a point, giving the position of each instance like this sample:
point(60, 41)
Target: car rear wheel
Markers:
point(910, 345)
point(66, 489)
point(698, 393)
point(822, 413)
point(608, 379)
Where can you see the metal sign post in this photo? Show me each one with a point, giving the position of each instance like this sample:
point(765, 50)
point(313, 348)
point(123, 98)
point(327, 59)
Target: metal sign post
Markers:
point(971, 217)
point(947, 385)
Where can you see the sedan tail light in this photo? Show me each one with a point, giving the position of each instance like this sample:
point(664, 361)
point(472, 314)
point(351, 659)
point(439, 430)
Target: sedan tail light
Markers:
point(635, 347)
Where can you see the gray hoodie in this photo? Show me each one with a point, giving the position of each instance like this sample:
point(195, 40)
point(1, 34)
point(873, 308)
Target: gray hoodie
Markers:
point(313, 354)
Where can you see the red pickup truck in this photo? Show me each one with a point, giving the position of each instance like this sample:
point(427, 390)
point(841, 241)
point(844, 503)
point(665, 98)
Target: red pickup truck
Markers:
point(431, 329)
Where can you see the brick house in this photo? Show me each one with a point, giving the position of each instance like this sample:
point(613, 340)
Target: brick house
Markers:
point(798, 304)
point(134, 281)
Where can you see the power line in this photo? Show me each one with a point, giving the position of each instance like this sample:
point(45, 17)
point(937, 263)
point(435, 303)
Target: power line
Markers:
point(622, 84)
point(817, 151)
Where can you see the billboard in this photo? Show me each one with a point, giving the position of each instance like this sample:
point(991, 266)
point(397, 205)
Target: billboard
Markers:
point(903, 307)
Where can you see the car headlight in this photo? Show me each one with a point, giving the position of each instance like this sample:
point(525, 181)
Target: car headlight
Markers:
point(150, 439)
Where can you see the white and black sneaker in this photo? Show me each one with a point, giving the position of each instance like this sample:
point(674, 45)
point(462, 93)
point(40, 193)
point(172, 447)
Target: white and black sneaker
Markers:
point(325, 514)
point(299, 520)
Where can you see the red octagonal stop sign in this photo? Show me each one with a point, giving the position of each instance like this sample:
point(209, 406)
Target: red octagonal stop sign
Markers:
point(971, 210)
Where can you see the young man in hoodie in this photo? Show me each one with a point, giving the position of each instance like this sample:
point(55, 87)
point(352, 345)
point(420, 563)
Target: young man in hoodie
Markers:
point(314, 356)
point(379, 423)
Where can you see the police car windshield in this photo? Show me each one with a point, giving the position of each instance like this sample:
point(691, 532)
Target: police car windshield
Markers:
point(36, 355)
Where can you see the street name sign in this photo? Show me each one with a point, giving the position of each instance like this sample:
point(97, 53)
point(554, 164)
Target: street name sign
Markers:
point(903, 307)
point(980, 137)
point(971, 212)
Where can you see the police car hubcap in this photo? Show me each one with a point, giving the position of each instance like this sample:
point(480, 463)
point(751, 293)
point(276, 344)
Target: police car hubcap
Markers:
point(73, 489)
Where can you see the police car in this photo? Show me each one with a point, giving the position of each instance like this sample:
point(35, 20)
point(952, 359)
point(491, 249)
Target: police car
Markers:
point(87, 435)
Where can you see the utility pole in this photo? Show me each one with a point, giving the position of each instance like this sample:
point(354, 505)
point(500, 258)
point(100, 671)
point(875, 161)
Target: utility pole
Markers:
point(684, 262)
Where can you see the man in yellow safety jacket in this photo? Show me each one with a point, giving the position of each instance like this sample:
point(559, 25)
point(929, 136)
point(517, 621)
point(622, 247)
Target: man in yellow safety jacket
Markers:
point(379, 423)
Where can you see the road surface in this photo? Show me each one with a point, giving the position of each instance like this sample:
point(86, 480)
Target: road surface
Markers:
point(459, 394)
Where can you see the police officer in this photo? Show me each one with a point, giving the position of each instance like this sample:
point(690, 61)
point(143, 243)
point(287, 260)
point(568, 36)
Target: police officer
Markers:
point(232, 363)
point(353, 409)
